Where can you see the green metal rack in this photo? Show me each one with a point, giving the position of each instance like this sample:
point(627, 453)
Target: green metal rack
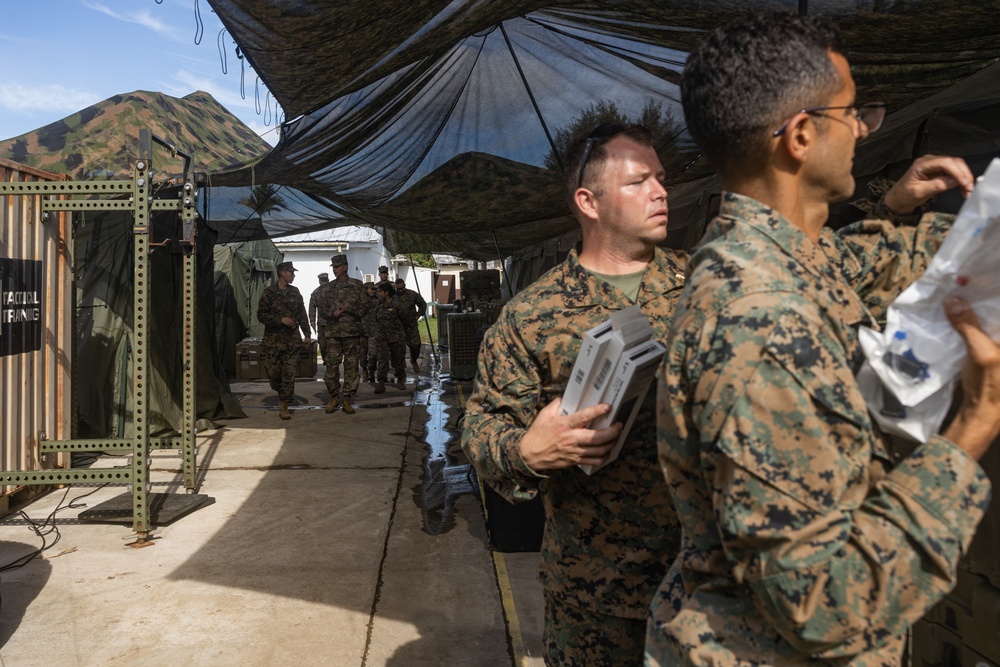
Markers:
point(141, 203)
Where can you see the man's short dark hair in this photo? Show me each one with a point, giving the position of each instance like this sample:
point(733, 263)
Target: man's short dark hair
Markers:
point(387, 288)
point(400, 281)
point(596, 159)
point(744, 79)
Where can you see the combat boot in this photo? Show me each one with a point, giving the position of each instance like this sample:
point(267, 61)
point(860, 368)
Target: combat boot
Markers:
point(348, 408)
point(415, 366)
point(283, 410)
point(380, 387)
point(333, 404)
point(400, 383)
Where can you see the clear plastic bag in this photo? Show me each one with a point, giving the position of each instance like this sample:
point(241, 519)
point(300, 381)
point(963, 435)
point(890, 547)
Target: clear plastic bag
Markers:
point(915, 361)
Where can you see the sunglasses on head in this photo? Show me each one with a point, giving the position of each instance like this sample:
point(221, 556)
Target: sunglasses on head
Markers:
point(596, 136)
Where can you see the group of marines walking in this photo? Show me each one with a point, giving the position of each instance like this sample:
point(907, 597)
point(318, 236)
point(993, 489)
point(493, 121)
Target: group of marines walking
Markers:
point(366, 327)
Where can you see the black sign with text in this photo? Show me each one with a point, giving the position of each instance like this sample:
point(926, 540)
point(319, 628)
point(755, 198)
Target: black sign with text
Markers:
point(20, 306)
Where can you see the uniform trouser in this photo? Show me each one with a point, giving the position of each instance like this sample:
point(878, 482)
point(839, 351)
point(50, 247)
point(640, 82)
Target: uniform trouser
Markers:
point(319, 342)
point(413, 339)
point(281, 361)
point(372, 363)
point(391, 353)
point(348, 351)
point(577, 637)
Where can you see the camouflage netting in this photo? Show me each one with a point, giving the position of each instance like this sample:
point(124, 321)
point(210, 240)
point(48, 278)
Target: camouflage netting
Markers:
point(436, 120)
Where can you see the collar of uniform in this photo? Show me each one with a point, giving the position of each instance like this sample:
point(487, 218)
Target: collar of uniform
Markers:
point(664, 273)
point(821, 259)
point(792, 241)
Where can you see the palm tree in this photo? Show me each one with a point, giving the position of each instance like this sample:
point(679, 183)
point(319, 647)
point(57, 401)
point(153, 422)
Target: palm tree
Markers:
point(264, 199)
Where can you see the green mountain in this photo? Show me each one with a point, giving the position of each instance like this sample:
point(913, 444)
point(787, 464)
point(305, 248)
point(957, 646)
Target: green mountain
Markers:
point(102, 140)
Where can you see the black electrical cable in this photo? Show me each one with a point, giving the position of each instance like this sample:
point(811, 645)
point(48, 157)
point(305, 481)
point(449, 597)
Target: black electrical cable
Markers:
point(222, 52)
point(47, 527)
point(199, 26)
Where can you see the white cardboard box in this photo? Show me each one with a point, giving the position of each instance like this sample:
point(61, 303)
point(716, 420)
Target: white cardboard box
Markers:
point(596, 363)
point(627, 390)
point(590, 356)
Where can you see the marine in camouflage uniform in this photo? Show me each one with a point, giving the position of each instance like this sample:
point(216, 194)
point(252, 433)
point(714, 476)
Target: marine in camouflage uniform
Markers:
point(807, 540)
point(414, 307)
point(369, 348)
point(759, 394)
point(281, 303)
point(390, 338)
point(607, 540)
point(345, 302)
point(383, 276)
point(316, 319)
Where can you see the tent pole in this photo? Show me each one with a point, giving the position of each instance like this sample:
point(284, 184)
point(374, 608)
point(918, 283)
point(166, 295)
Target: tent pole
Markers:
point(503, 269)
point(527, 88)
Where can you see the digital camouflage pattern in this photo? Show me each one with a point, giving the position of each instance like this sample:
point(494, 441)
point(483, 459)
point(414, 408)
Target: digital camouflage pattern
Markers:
point(609, 537)
point(413, 306)
point(579, 637)
point(803, 542)
point(316, 318)
point(344, 334)
point(281, 345)
point(370, 325)
point(390, 337)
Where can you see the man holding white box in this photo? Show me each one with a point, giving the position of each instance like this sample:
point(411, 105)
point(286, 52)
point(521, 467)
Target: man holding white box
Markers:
point(605, 545)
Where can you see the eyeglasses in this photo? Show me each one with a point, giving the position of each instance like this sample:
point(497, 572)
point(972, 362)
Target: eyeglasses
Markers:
point(869, 115)
point(597, 135)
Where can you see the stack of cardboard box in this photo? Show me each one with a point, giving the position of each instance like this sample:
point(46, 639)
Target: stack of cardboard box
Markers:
point(616, 365)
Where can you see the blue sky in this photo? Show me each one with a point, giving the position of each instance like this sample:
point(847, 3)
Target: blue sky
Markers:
point(60, 56)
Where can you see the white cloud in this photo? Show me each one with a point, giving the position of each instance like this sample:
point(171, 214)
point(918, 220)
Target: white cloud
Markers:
point(142, 17)
point(44, 97)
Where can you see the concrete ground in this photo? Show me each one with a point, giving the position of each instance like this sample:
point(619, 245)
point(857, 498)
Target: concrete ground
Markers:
point(330, 539)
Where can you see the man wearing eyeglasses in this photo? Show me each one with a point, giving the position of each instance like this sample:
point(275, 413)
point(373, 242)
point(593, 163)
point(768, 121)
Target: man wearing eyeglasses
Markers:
point(604, 547)
point(804, 540)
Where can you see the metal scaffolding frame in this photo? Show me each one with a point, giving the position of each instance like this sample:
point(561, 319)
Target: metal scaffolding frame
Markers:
point(141, 203)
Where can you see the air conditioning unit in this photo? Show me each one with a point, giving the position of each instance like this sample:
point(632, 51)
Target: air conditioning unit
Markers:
point(369, 278)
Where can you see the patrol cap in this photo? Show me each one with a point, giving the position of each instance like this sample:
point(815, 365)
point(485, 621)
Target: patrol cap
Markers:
point(383, 269)
point(324, 276)
point(287, 266)
point(338, 260)
point(370, 285)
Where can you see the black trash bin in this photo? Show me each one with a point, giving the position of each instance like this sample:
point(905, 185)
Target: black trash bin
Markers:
point(513, 528)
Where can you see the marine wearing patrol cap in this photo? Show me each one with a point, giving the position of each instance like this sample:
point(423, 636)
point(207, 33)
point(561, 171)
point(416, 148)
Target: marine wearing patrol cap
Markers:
point(338, 260)
point(286, 266)
point(383, 275)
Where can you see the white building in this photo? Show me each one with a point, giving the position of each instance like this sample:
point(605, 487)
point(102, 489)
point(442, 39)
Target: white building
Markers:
point(311, 253)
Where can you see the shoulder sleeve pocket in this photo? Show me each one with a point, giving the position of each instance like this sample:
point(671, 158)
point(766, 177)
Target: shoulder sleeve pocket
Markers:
point(801, 424)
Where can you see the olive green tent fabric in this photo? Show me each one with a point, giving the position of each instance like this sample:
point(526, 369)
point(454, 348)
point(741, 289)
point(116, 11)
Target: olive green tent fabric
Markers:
point(242, 272)
point(103, 355)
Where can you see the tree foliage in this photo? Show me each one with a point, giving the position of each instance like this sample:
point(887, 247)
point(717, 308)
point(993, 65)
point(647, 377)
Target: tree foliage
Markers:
point(659, 121)
point(422, 259)
point(264, 199)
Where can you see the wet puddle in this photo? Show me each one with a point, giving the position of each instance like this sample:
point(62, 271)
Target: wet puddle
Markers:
point(445, 474)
